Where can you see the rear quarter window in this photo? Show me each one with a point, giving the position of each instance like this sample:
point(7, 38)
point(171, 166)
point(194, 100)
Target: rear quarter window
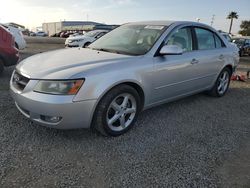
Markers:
point(218, 42)
point(205, 39)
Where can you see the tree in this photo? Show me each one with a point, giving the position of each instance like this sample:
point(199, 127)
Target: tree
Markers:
point(232, 15)
point(245, 28)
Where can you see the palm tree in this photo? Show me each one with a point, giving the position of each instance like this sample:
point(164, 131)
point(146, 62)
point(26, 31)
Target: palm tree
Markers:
point(232, 15)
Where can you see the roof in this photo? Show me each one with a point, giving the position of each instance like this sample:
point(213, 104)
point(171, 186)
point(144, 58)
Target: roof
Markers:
point(167, 23)
point(152, 23)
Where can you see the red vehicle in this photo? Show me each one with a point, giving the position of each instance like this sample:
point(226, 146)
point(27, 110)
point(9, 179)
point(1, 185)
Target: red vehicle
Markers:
point(9, 55)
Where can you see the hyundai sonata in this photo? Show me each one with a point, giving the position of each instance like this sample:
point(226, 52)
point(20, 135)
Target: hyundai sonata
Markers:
point(132, 68)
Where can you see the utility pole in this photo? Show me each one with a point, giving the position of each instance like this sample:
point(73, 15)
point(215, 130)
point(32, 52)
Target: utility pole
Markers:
point(212, 20)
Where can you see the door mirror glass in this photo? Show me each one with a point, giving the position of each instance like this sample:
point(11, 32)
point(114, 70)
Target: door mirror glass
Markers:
point(171, 50)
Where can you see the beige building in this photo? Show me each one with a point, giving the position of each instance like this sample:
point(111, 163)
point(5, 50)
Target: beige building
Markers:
point(56, 27)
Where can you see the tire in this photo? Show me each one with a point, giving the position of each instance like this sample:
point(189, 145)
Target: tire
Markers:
point(114, 114)
point(222, 83)
point(86, 44)
point(1, 66)
point(241, 53)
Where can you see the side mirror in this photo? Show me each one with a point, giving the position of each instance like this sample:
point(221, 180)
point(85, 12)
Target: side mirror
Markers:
point(171, 50)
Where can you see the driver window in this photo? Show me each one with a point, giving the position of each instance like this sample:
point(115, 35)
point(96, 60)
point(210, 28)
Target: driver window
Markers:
point(182, 38)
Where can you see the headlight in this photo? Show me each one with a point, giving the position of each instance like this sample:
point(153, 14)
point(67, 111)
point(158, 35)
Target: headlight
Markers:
point(78, 40)
point(60, 87)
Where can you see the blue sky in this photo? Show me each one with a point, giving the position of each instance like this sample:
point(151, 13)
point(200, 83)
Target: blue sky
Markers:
point(33, 13)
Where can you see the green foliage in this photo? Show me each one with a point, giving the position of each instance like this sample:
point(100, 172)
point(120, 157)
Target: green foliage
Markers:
point(233, 15)
point(245, 28)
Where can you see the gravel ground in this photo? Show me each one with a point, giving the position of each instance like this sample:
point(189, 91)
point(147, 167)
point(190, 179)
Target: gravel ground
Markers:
point(198, 141)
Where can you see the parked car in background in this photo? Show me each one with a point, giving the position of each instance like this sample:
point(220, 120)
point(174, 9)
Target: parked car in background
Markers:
point(41, 34)
point(227, 36)
point(20, 43)
point(9, 55)
point(134, 67)
point(243, 44)
point(32, 34)
point(84, 40)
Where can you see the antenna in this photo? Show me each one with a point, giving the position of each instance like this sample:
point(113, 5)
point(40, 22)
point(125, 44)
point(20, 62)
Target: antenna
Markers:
point(212, 20)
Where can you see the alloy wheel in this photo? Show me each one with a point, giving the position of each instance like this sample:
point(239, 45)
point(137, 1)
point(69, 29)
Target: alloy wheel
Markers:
point(223, 83)
point(121, 112)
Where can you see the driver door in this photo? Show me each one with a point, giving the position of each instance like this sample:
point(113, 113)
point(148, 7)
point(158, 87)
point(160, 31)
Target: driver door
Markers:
point(176, 75)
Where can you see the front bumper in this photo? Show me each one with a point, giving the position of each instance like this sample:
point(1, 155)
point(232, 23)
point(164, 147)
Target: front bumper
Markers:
point(73, 44)
point(36, 106)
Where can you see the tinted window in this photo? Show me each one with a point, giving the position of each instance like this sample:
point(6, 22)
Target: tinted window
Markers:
point(218, 42)
point(205, 39)
point(182, 38)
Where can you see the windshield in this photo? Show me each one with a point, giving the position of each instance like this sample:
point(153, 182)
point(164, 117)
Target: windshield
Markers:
point(91, 33)
point(129, 39)
point(239, 41)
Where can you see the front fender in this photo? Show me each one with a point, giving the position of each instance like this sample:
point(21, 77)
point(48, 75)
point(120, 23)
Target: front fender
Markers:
point(96, 87)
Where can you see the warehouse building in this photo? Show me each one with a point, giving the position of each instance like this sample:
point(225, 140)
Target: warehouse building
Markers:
point(56, 27)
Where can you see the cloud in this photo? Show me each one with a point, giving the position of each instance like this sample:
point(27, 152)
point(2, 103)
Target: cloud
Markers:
point(121, 2)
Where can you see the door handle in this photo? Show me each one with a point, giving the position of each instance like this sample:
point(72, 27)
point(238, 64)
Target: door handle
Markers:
point(194, 61)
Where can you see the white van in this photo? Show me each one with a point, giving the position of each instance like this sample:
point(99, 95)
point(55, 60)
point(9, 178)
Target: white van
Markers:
point(20, 43)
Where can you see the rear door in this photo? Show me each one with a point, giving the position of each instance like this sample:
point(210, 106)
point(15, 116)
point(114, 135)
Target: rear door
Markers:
point(212, 54)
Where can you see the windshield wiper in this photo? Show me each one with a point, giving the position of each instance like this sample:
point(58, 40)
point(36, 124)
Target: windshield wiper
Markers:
point(106, 50)
point(113, 51)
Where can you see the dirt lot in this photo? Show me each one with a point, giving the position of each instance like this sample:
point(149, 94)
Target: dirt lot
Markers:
point(198, 141)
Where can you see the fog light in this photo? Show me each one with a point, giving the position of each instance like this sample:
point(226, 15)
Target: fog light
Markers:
point(51, 119)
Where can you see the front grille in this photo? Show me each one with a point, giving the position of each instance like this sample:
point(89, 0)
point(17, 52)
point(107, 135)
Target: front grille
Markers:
point(19, 81)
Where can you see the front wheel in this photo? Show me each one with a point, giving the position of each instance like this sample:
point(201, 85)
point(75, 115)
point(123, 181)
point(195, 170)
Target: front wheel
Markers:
point(1, 66)
point(222, 83)
point(86, 44)
point(117, 111)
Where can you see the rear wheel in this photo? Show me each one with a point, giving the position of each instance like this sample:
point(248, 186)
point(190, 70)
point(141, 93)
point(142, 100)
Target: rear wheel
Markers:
point(117, 111)
point(222, 83)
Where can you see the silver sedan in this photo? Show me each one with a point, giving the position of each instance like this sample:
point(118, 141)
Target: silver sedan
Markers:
point(132, 68)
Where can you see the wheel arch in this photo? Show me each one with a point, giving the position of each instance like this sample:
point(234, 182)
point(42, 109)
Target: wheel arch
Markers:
point(133, 84)
point(230, 68)
point(16, 45)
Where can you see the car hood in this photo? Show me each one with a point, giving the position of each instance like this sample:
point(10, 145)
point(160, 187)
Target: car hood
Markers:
point(66, 63)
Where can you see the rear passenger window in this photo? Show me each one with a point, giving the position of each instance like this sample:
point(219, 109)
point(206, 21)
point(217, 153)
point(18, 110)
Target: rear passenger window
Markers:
point(218, 42)
point(205, 39)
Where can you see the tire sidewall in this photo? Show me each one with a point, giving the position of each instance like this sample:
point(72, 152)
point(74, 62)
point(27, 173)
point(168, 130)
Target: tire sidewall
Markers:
point(106, 101)
point(217, 81)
